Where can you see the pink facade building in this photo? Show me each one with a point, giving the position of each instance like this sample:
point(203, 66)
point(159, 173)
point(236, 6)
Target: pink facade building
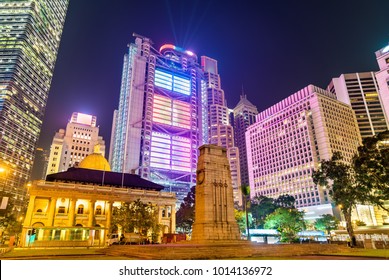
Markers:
point(289, 139)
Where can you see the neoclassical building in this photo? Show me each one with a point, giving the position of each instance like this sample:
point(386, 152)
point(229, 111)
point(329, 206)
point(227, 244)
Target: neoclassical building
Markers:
point(74, 208)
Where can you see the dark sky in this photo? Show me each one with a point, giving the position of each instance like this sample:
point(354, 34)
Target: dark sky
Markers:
point(272, 48)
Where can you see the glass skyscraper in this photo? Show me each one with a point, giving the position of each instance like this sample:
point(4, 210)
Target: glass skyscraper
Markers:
point(220, 130)
point(30, 32)
point(157, 130)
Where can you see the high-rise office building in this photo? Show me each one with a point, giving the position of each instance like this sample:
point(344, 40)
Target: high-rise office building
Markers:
point(158, 123)
point(360, 91)
point(220, 131)
point(71, 145)
point(244, 115)
point(30, 32)
point(382, 76)
point(41, 161)
point(289, 139)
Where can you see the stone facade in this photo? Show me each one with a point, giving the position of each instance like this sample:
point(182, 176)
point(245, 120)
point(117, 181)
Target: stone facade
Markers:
point(214, 206)
point(77, 214)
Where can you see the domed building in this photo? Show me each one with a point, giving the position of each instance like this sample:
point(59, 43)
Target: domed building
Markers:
point(74, 208)
point(95, 161)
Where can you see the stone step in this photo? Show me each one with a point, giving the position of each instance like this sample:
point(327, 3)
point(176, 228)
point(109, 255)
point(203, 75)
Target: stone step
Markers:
point(195, 251)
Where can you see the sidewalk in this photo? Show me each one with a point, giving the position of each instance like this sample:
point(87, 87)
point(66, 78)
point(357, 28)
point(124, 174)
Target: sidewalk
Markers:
point(44, 252)
point(193, 251)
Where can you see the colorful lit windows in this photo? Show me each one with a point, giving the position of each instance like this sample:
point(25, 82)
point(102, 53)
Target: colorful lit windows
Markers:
point(170, 152)
point(171, 82)
point(171, 112)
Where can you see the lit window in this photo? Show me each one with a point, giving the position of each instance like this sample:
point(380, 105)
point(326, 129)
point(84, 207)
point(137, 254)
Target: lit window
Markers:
point(80, 209)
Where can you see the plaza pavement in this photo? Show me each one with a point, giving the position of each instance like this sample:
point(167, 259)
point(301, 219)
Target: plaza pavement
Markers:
point(193, 251)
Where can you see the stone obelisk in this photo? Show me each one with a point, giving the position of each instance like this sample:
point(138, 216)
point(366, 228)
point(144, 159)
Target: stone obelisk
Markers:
point(214, 204)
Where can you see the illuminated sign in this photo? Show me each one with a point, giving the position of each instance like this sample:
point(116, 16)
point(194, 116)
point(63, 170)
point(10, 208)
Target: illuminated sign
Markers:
point(172, 82)
point(83, 119)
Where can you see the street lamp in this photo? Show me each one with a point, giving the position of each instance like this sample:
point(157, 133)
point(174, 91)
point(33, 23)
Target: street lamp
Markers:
point(246, 194)
point(3, 175)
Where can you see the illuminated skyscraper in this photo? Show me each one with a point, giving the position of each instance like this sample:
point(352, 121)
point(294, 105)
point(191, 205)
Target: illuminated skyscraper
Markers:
point(157, 127)
point(220, 131)
point(288, 140)
point(30, 32)
point(244, 115)
point(71, 146)
point(382, 77)
point(41, 161)
point(360, 90)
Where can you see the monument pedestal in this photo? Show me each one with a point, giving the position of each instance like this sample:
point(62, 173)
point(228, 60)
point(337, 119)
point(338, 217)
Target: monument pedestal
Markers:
point(216, 231)
point(214, 205)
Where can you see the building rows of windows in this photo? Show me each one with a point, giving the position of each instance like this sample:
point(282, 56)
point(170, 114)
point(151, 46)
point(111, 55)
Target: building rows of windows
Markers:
point(285, 147)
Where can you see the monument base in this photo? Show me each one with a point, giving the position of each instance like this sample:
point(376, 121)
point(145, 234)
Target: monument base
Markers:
point(222, 231)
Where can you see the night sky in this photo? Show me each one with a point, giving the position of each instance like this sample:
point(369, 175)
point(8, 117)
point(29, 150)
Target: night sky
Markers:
point(271, 48)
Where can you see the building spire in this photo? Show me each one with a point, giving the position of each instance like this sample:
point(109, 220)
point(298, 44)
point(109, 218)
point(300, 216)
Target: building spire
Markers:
point(242, 95)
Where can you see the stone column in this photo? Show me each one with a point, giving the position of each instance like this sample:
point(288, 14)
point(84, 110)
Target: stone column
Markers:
point(173, 219)
point(71, 210)
point(159, 214)
point(51, 214)
point(30, 209)
point(27, 220)
point(91, 213)
point(108, 215)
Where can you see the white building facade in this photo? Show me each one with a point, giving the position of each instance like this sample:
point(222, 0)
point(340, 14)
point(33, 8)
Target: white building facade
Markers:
point(361, 92)
point(71, 145)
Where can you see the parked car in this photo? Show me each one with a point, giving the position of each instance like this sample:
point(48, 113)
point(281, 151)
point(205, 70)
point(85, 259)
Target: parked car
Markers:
point(113, 239)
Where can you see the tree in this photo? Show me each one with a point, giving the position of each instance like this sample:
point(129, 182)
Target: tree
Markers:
point(359, 223)
point(285, 200)
point(240, 218)
point(137, 216)
point(246, 205)
point(288, 222)
point(9, 223)
point(364, 181)
point(371, 167)
point(185, 215)
point(344, 191)
point(326, 223)
point(261, 206)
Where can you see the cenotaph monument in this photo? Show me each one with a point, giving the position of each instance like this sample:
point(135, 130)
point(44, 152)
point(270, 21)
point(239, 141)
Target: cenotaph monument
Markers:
point(214, 204)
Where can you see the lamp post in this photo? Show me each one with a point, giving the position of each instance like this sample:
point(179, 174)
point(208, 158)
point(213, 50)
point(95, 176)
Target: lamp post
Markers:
point(246, 193)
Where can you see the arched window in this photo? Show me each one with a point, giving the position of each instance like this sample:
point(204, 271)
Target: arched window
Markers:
point(98, 210)
point(80, 209)
point(61, 210)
